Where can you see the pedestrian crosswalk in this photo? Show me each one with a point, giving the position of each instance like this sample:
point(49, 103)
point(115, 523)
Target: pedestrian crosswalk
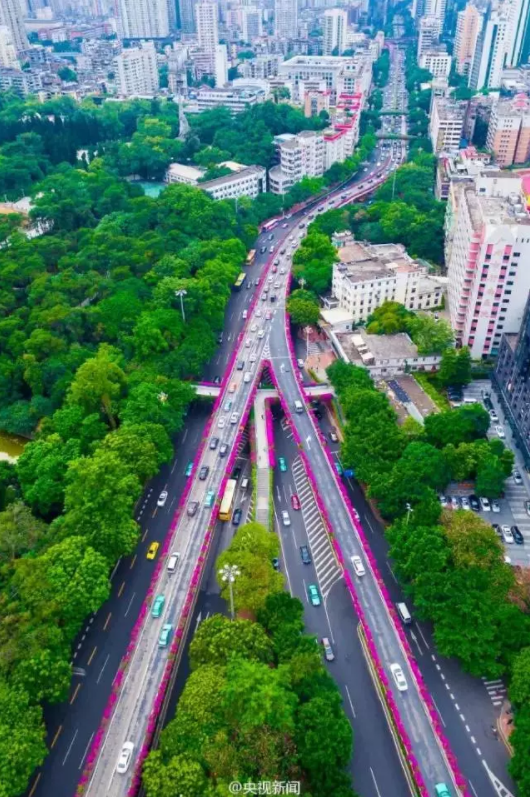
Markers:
point(496, 690)
point(326, 565)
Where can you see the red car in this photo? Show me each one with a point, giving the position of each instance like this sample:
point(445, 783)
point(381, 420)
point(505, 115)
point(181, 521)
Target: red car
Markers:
point(295, 501)
point(274, 269)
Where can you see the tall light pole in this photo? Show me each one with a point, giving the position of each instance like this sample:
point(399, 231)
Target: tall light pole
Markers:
point(230, 573)
point(181, 294)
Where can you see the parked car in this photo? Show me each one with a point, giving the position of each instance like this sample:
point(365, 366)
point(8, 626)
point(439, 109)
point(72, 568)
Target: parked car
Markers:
point(399, 677)
point(484, 504)
point(493, 415)
point(465, 503)
point(162, 498)
point(495, 506)
point(500, 431)
point(443, 501)
point(517, 535)
point(333, 437)
point(305, 554)
point(455, 502)
point(276, 563)
point(314, 595)
point(507, 535)
point(474, 503)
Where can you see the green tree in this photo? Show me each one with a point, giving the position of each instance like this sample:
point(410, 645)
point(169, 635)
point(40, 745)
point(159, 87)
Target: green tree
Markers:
point(99, 383)
point(20, 531)
point(218, 639)
point(181, 775)
point(303, 308)
point(22, 733)
point(490, 477)
point(455, 367)
point(520, 683)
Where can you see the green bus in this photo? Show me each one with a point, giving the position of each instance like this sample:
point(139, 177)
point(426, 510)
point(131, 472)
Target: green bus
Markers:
point(239, 281)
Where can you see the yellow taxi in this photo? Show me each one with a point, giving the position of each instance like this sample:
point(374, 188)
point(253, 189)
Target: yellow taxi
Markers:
point(153, 550)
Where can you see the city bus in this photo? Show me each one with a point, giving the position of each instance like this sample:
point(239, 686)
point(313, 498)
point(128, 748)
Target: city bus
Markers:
point(225, 513)
point(239, 281)
point(269, 225)
point(251, 257)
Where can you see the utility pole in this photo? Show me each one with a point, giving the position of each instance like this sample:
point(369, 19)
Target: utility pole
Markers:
point(181, 294)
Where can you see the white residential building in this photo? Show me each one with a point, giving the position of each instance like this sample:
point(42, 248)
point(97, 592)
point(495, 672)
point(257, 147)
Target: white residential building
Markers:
point(285, 19)
point(12, 16)
point(301, 155)
point(181, 173)
point(429, 33)
point(221, 65)
point(137, 71)
point(8, 51)
point(251, 23)
point(383, 356)
point(519, 15)
point(489, 58)
point(207, 30)
point(435, 8)
point(335, 24)
point(143, 19)
point(367, 275)
point(437, 61)
point(341, 74)
point(446, 124)
point(236, 100)
point(488, 274)
point(250, 181)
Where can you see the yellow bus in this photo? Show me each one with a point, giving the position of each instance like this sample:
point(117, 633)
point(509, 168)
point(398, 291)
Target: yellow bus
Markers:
point(225, 513)
point(239, 281)
point(251, 257)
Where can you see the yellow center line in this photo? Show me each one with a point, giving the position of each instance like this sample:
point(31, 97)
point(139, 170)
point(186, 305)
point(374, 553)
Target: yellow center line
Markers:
point(132, 563)
point(92, 656)
point(32, 792)
point(107, 621)
point(121, 589)
point(78, 687)
point(57, 732)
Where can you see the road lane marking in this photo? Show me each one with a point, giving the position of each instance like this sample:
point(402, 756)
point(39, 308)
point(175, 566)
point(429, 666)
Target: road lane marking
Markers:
point(92, 656)
point(35, 784)
point(78, 687)
point(70, 747)
point(422, 636)
point(438, 710)
point(133, 561)
point(107, 621)
point(130, 604)
point(86, 751)
point(391, 572)
point(115, 568)
point(121, 589)
point(350, 700)
point(57, 732)
point(145, 535)
point(154, 512)
point(375, 783)
point(101, 671)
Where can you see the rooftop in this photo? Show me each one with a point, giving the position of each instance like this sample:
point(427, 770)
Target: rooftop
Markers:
point(361, 261)
point(229, 178)
point(365, 349)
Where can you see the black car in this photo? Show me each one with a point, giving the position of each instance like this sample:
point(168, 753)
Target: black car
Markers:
point(217, 379)
point(318, 414)
point(474, 503)
point(263, 249)
point(236, 517)
point(272, 298)
point(236, 473)
point(276, 563)
point(214, 442)
point(203, 473)
point(240, 365)
point(223, 450)
point(304, 553)
point(518, 537)
point(488, 403)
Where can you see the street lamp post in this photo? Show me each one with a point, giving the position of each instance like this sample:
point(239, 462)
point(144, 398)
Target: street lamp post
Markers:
point(181, 294)
point(230, 573)
point(409, 512)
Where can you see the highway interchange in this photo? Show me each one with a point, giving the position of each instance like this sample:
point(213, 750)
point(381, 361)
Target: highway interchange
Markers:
point(73, 725)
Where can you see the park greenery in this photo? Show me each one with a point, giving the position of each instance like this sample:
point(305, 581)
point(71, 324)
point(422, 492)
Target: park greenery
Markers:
point(259, 705)
point(450, 563)
point(303, 308)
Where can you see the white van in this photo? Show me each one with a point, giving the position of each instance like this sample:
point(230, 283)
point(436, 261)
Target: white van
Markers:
point(247, 377)
point(404, 613)
point(298, 406)
point(244, 484)
point(173, 562)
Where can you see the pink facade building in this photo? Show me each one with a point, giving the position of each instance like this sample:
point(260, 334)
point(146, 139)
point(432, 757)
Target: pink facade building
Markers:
point(509, 130)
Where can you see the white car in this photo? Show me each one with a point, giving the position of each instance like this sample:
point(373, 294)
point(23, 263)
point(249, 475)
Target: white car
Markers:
point(234, 417)
point(507, 535)
point(358, 566)
point(258, 313)
point(221, 423)
point(282, 271)
point(125, 758)
point(269, 279)
point(300, 363)
point(245, 313)
point(261, 333)
point(518, 479)
point(484, 504)
point(500, 432)
point(253, 357)
point(399, 677)
point(495, 506)
point(286, 520)
point(248, 343)
point(253, 328)
point(162, 498)
point(465, 503)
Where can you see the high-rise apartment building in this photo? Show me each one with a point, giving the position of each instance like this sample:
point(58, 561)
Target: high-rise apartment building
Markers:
point(446, 124)
point(207, 30)
point(467, 29)
point(437, 61)
point(509, 130)
point(286, 19)
point(301, 155)
point(489, 58)
point(8, 52)
point(12, 17)
point(519, 15)
point(488, 278)
point(137, 71)
point(429, 33)
point(144, 19)
point(221, 65)
point(187, 16)
point(335, 24)
point(435, 8)
point(251, 23)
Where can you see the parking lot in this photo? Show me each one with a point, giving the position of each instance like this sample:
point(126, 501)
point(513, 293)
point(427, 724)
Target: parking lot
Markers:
point(512, 504)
